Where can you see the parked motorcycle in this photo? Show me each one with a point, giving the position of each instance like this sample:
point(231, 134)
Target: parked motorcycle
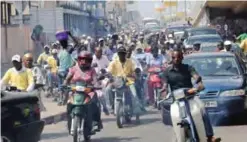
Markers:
point(156, 83)
point(81, 122)
point(186, 114)
point(122, 102)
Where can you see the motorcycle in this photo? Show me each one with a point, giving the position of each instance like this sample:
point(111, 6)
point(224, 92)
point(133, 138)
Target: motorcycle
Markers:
point(122, 102)
point(81, 99)
point(156, 83)
point(186, 114)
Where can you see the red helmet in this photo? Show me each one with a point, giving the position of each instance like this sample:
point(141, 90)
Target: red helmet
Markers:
point(85, 55)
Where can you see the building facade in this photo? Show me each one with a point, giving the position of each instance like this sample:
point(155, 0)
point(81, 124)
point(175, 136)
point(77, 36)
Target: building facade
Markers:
point(32, 24)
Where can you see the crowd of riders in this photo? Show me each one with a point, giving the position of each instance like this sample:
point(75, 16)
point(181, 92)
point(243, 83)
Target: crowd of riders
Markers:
point(71, 61)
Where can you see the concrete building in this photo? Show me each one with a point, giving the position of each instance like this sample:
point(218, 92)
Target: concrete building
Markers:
point(29, 25)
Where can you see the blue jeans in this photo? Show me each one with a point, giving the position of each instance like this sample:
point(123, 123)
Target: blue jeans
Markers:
point(207, 124)
point(61, 77)
point(139, 84)
point(51, 79)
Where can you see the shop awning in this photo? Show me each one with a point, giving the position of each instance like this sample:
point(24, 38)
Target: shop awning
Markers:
point(235, 6)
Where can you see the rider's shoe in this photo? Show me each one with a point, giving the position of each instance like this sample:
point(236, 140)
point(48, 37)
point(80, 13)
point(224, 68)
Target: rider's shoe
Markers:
point(60, 103)
point(213, 139)
point(106, 111)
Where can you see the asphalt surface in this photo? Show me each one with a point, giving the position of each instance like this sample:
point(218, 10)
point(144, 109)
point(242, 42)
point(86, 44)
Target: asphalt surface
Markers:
point(150, 130)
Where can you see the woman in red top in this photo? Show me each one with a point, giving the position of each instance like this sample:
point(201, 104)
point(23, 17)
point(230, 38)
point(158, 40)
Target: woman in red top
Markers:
point(83, 73)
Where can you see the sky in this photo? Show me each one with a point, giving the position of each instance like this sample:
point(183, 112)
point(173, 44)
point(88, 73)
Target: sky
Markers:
point(147, 8)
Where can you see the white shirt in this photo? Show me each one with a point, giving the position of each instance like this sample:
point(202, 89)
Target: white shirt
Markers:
point(102, 63)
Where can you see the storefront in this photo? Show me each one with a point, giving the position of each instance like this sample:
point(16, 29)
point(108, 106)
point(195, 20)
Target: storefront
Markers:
point(230, 16)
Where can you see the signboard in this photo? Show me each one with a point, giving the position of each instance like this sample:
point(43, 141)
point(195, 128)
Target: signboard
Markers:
point(170, 3)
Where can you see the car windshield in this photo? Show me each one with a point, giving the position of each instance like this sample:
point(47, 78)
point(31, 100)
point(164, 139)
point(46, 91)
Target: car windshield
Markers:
point(214, 66)
point(151, 25)
point(176, 29)
point(212, 39)
point(202, 32)
point(208, 48)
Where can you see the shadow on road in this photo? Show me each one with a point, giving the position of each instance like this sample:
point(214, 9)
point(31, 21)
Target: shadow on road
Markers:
point(49, 136)
point(145, 121)
point(114, 139)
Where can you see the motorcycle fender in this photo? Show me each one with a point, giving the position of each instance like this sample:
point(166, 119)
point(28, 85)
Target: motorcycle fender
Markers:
point(78, 99)
point(175, 116)
point(197, 109)
point(77, 111)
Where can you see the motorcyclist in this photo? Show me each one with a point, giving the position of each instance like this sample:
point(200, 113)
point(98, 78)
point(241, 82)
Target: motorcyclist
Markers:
point(101, 43)
point(124, 67)
point(227, 46)
point(37, 75)
point(100, 62)
point(220, 46)
point(18, 76)
point(79, 74)
point(109, 51)
point(52, 76)
point(179, 75)
point(43, 56)
point(141, 43)
point(155, 59)
point(196, 46)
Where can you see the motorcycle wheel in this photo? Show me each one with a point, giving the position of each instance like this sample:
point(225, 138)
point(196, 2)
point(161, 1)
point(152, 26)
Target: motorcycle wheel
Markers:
point(76, 135)
point(188, 135)
point(155, 98)
point(86, 135)
point(120, 115)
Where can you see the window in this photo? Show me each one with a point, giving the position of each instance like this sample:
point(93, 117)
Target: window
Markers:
point(5, 13)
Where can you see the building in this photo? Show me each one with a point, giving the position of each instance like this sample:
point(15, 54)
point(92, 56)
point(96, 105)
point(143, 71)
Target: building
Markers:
point(32, 24)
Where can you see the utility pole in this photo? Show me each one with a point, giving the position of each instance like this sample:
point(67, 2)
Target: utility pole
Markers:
point(185, 8)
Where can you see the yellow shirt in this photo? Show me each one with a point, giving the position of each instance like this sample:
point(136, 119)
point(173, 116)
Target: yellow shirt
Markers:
point(243, 45)
point(118, 70)
point(52, 62)
point(20, 79)
point(42, 57)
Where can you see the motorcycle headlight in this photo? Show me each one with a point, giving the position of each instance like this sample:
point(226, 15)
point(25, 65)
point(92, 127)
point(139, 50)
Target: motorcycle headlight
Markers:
point(239, 92)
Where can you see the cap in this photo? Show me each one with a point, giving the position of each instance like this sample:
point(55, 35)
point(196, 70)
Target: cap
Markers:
point(101, 39)
point(227, 42)
point(88, 37)
point(53, 51)
point(170, 35)
point(121, 49)
point(171, 41)
point(46, 46)
point(16, 58)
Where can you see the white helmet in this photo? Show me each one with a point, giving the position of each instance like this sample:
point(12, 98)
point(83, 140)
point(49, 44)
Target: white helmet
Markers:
point(227, 42)
point(171, 41)
point(85, 42)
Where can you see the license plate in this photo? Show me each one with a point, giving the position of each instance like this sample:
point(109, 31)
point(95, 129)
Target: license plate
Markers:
point(211, 104)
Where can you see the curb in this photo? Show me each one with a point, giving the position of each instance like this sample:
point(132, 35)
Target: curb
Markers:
point(53, 119)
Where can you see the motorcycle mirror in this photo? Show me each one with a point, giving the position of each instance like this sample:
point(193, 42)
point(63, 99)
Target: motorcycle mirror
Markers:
point(199, 79)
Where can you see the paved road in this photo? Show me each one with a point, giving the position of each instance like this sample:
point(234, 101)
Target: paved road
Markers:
point(151, 130)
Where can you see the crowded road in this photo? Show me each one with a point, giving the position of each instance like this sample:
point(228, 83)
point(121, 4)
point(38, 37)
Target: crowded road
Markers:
point(151, 130)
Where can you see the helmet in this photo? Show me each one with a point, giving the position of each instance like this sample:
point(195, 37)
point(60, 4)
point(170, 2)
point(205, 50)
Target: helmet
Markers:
point(85, 59)
point(85, 55)
point(28, 56)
